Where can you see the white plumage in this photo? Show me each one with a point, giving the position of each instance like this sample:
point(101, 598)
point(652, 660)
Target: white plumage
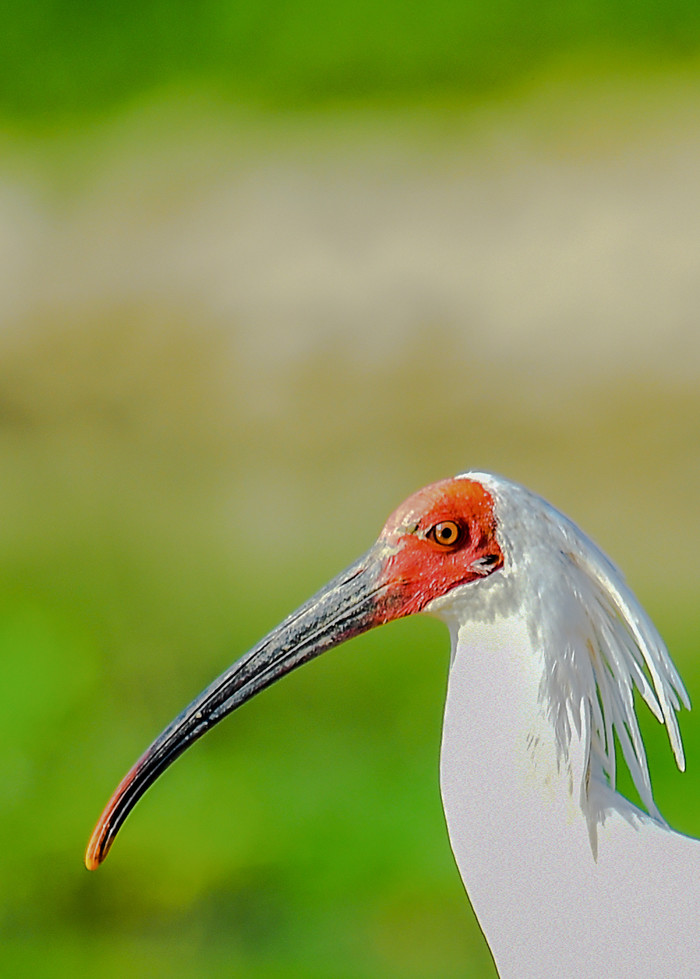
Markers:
point(596, 636)
point(567, 877)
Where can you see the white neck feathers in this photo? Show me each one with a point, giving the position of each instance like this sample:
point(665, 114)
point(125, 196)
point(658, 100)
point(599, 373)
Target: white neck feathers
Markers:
point(589, 642)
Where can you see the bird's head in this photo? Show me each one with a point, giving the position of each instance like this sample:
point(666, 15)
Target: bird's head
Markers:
point(441, 538)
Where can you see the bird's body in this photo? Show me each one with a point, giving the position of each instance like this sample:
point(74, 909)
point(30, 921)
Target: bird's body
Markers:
point(548, 906)
point(566, 876)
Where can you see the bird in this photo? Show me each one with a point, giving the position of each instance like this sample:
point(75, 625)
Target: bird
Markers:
point(567, 877)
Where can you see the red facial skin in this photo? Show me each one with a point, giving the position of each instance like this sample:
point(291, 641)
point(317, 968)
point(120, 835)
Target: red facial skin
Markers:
point(421, 568)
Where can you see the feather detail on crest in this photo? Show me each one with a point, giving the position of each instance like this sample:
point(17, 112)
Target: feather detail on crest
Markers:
point(598, 642)
point(622, 645)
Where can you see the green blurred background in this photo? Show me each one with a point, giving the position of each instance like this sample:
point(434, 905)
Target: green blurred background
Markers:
point(265, 269)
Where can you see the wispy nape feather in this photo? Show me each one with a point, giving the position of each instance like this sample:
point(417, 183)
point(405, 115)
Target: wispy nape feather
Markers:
point(599, 643)
point(624, 642)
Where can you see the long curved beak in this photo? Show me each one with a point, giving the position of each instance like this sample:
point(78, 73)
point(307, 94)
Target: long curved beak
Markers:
point(356, 600)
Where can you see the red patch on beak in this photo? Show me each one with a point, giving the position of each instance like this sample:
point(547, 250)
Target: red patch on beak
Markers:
point(429, 557)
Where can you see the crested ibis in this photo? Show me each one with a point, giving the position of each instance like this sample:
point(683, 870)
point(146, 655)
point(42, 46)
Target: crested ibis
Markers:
point(566, 876)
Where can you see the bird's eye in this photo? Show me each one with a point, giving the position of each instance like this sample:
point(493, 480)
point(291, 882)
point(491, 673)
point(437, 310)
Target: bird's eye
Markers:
point(446, 533)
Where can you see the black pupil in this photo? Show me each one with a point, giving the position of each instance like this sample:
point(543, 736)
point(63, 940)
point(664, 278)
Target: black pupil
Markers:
point(447, 533)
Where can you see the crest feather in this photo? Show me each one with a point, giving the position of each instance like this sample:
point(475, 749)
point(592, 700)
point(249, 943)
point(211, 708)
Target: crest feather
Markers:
point(599, 643)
